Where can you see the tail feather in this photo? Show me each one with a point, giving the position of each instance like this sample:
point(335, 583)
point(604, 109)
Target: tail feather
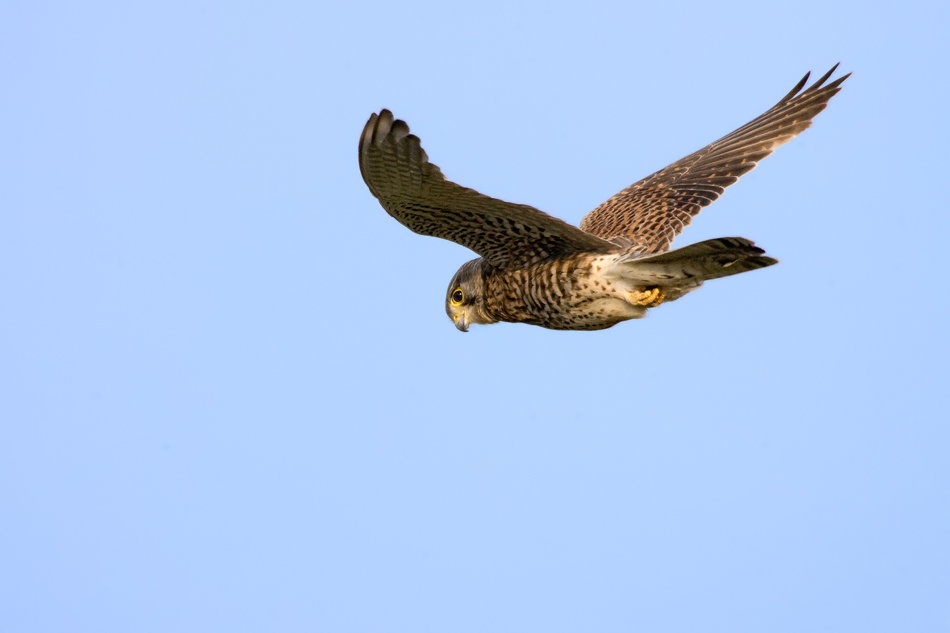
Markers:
point(696, 263)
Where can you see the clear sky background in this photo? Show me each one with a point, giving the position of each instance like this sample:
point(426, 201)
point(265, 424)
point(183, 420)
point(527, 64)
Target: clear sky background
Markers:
point(230, 398)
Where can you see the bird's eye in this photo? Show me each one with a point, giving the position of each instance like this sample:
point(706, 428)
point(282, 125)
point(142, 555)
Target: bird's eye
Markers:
point(457, 297)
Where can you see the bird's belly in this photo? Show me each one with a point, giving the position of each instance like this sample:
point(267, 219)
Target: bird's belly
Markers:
point(591, 314)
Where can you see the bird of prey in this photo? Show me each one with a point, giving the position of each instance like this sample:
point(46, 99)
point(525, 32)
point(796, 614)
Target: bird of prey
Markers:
point(534, 268)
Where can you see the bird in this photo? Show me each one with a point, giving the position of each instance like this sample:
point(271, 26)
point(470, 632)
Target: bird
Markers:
point(537, 269)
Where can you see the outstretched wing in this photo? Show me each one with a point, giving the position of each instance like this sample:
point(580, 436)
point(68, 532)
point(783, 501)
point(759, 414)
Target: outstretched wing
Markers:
point(653, 211)
point(415, 192)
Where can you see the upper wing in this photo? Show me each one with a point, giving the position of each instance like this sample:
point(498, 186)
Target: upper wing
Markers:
point(656, 209)
point(414, 191)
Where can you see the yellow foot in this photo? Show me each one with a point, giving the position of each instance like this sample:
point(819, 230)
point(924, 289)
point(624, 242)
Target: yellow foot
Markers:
point(649, 298)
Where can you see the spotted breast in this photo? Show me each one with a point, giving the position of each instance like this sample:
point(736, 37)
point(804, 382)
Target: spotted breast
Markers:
point(571, 293)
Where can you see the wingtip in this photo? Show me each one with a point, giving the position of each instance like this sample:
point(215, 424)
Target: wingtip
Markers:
point(376, 128)
point(399, 130)
point(794, 91)
point(367, 136)
point(815, 86)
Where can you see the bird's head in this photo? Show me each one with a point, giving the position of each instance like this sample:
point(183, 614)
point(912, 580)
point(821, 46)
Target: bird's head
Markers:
point(465, 298)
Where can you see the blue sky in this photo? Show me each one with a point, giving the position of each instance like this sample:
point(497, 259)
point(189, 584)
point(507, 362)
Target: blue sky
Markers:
point(231, 399)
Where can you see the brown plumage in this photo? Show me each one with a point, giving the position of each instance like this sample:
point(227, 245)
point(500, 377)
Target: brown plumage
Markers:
point(415, 192)
point(652, 212)
point(537, 269)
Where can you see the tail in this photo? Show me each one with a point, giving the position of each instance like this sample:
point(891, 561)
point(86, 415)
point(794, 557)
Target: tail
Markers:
point(688, 267)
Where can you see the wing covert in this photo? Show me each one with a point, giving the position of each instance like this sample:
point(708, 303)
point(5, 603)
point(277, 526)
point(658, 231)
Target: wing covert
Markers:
point(652, 212)
point(416, 193)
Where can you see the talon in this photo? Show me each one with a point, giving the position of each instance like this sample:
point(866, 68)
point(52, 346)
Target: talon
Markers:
point(650, 298)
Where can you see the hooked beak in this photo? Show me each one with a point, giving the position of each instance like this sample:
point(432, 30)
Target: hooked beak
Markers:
point(461, 323)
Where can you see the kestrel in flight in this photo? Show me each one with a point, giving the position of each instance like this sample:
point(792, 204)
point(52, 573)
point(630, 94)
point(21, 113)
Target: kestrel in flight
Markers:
point(534, 268)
